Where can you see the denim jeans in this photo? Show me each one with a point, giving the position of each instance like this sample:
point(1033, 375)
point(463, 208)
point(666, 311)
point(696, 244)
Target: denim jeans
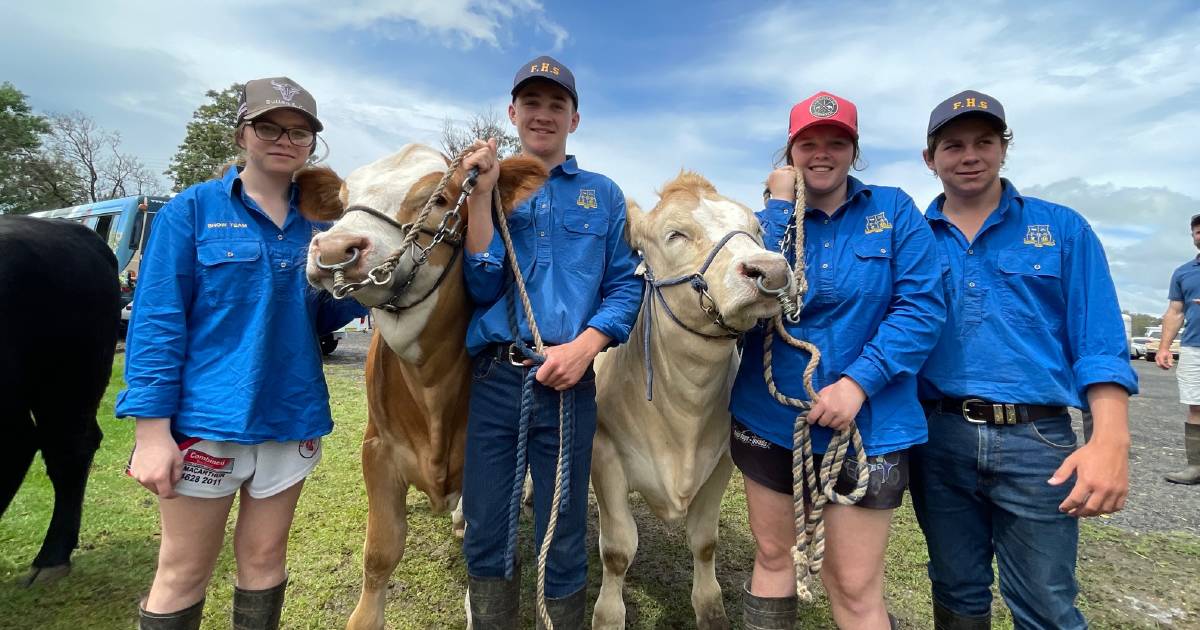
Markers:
point(490, 468)
point(980, 492)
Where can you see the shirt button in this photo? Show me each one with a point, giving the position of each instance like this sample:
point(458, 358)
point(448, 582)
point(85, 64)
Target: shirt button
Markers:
point(826, 245)
point(971, 252)
point(1037, 266)
point(542, 234)
point(543, 205)
point(485, 255)
point(882, 250)
point(586, 226)
point(283, 265)
point(826, 221)
point(824, 265)
point(229, 254)
point(279, 237)
point(971, 284)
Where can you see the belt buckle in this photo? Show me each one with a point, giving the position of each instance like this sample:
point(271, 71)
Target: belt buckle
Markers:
point(514, 356)
point(967, 415)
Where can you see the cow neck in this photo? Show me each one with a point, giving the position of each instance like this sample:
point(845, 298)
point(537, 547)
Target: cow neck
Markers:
point(699, 361)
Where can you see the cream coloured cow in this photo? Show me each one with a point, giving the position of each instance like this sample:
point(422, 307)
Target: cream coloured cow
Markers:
point(418, 372)
point(674, 450)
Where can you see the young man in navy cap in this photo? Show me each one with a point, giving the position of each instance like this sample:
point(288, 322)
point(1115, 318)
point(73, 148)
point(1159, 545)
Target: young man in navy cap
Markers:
point(1183, 307)
point(1032, 328)
point(579, 273)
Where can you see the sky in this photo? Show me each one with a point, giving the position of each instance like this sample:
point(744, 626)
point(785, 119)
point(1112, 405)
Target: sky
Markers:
point(1103, 97)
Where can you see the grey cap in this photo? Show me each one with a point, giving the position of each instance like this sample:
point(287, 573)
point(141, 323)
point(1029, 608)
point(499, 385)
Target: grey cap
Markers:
point(966, 102)
point(263, 95)
point(549, 69)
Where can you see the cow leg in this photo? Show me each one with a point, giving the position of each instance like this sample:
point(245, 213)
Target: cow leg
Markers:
point(387, 526)
point(20, 446)
point(618, 533)
point(702, 521)
point(68, 460)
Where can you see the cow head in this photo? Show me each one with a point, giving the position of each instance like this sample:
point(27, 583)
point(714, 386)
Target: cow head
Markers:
point(687, 225)
point(398, 187)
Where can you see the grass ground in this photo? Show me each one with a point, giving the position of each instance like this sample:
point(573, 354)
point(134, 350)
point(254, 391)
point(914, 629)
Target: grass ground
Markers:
point(1128, 580)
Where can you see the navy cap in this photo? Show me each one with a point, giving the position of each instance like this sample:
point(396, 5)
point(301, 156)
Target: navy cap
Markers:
point(967, 102)
point(548, 68)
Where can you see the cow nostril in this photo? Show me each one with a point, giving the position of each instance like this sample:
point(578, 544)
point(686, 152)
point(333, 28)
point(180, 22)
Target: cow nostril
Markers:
point(752, 272)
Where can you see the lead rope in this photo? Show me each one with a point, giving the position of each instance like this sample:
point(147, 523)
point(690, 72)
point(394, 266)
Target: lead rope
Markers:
point(566, 424)
point(809, 552)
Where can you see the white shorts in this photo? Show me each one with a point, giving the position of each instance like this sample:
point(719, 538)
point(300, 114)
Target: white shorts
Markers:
point(218, 469)
point(1188, 373)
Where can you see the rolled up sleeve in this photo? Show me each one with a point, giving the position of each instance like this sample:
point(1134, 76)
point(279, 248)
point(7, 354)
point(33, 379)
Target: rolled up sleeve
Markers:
point(1095, 331)
point(620, 289)
point(156, 343)
point(483, 272)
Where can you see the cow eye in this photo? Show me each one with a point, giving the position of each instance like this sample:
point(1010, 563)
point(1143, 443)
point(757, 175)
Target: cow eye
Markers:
point(676, 235)
point(441, 201)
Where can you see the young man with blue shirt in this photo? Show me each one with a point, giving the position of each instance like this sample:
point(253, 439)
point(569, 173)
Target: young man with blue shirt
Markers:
point(1033, 327)
point(579, 273)
point(1184, 307)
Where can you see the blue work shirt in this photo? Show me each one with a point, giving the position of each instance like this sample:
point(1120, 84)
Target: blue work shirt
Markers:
point(1033, 315)
point(1185, 287)
point(579, 270)
point(223, 338)
point(874, 309)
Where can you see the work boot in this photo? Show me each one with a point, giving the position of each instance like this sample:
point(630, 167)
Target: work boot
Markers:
point(944, 619)
point(893, 623)
point(767, 613)
point(1191, 443)
point(186, 619)
point(258, 610)
point(566, 613)
point(495, 604)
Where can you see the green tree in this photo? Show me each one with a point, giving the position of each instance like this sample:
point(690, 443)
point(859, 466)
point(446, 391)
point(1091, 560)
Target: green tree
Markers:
point(208, 144)
point(20, 140)
point(1140, 321)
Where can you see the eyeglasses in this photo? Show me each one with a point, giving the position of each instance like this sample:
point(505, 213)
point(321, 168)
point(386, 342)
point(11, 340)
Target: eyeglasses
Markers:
point(271, 132)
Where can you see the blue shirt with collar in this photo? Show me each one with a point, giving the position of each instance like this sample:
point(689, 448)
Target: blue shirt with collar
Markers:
point(874, 309)
point(579, 270)
point(223, 338)
point(1185, 287)
point(1033, 314)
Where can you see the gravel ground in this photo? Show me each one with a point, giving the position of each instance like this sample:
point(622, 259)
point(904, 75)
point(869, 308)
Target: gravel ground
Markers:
point(1156, 424)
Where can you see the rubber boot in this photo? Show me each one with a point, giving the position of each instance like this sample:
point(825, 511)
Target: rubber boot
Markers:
point(1191, 442)
point(893, 623)
point(944, 619)
point(495, 603)
point(186, 619)
point(566, 613)
point(258, 610)
point(767, 613)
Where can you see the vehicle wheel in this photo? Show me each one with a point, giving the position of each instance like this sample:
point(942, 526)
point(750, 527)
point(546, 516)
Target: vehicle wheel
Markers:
point(1150, 356)
point(329, 343)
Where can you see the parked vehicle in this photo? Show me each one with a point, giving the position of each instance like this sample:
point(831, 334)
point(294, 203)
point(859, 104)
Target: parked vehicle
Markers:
point(1155, 338)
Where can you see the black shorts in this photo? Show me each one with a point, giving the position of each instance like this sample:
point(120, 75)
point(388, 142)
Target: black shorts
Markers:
point(770, 465)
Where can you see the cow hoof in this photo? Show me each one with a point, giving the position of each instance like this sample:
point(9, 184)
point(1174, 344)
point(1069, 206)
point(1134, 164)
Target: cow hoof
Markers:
point(46, 575)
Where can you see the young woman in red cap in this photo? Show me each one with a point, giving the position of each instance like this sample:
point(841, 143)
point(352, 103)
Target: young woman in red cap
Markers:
point(874, 309)
point(223, 367)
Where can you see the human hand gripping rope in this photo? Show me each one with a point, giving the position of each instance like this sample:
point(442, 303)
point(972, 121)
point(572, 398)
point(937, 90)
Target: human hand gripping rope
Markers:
point(566, 423)
point(809, 551)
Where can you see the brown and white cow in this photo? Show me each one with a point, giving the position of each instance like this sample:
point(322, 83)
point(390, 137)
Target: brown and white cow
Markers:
point(418, 372)
point(674, 450)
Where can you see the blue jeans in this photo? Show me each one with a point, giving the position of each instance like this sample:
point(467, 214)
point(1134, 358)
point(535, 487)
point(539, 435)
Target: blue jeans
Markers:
point(490, 469)
point(980, 491)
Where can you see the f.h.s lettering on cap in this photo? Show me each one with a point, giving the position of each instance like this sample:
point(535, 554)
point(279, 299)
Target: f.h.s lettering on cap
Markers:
point(823, 108)
point(263, 95)
point(546, 68)
point(967, 102)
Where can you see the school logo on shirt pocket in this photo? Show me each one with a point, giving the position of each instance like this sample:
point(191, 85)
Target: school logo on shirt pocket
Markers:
point(587, 198)
point(1039, 236)
point(877, 223)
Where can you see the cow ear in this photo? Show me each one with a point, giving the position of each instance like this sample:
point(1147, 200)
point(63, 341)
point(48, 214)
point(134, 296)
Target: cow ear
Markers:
point(322, 193)
point(635, 224)
point(520, 177)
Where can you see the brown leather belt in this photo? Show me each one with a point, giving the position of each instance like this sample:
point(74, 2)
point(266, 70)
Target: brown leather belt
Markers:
point(980, 411)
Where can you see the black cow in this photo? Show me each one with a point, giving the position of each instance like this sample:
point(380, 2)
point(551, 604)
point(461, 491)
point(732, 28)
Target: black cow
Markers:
point(59, 313)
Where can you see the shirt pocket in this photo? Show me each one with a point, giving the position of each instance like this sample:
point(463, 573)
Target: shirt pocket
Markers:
point(870, 273)
point(1030, 287)
point(229, 271)
point(583, 238)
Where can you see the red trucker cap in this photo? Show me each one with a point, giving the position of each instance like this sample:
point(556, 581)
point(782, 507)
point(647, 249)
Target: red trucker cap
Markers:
point(823, 108)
